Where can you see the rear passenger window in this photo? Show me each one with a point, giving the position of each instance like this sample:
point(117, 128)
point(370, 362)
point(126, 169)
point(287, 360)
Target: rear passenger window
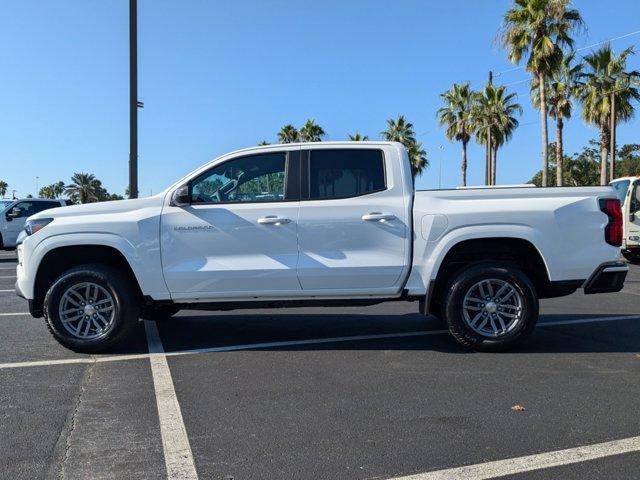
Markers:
point(345, 173)
point(40, 206)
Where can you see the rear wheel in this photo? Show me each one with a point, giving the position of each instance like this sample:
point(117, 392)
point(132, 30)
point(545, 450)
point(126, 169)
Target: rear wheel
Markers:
point(491, 307)
point(91, 308)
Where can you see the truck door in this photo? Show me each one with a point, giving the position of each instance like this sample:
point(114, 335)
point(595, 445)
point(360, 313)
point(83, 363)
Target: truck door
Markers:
point(354, 225)
point(631, 212)
point(238, 237)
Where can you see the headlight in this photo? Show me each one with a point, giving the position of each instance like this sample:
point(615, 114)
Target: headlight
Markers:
point(33, 226)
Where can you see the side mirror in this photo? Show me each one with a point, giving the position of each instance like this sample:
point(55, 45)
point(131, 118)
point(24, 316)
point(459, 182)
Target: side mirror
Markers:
point(181, 197)
point(13, 213)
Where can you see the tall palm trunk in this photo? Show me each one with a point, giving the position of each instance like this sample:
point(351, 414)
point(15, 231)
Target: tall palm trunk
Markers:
point(543, 123)
point(559, 151)
point(463, 167)
point(604, 153)
point(612, 145)
point(486, 164)
point(494, 156)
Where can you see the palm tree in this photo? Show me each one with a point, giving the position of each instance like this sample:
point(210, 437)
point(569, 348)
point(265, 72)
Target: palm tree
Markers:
point(46, 192)
point(494, 119)
point(264, 142)
point(3, 188)
point(399, 131)
point(456, 115)
point(561, 86)
point(606, 84)
point(418, 158)
point(288, 134)
point(539, 29)
point(83, 188)
point(58, 189)
point(311, 132)
point(402, 131)
point(356, 137)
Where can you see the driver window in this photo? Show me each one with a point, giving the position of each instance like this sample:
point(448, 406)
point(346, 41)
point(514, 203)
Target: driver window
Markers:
point(255, 178)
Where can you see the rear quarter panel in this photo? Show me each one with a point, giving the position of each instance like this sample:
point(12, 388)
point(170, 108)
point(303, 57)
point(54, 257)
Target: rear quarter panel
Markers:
point(565, 225)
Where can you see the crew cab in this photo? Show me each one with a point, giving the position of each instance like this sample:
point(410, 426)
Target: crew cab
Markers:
point(331, 223)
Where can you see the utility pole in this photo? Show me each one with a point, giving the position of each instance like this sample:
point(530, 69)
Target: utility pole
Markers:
point(612, 167)
point(133, 98)
point(488, 174)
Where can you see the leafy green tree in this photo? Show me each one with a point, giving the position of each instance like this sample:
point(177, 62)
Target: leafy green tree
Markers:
point(580, 169)
point(263, 142)
point(402, 131)
point(456, 116)
point(628, 160)
point(357, 137)
point(311, 132)
point(3, 188)
point(562, 86)
point(606, 81)
point(493, 116)
point(539, 29)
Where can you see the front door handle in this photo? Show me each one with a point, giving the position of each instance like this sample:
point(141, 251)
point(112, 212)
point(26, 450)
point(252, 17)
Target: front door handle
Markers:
point(378, 217)
point(273, 220)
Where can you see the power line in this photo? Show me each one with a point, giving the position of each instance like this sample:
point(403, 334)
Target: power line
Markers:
point(577, 50)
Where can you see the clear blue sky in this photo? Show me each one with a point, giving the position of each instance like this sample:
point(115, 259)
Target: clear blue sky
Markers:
point(221, 75)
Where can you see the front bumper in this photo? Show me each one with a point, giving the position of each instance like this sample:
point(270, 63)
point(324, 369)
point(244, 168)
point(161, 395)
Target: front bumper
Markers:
point(608, 277)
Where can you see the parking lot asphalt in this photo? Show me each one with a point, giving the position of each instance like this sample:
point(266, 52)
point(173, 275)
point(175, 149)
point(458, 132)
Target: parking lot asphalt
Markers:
point(346, 393)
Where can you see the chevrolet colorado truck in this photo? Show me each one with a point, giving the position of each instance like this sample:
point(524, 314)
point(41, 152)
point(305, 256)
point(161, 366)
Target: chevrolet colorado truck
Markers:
point(331, 223)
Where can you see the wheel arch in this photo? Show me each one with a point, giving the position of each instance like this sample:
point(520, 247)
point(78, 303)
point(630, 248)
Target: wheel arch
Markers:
point(60, 259)
point(518, 250)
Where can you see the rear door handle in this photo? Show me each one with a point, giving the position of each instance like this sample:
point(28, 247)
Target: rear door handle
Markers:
point(378, 217)
point(273, 220)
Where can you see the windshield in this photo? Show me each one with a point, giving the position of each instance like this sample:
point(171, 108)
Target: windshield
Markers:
point(5, 203)
point(621, 189)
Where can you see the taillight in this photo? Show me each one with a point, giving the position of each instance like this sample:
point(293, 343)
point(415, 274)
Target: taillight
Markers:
point(613, 229)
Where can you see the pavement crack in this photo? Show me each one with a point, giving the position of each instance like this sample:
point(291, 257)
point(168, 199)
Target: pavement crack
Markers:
point(63, 445)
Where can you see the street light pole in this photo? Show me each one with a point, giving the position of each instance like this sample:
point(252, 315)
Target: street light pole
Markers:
point(133, 98)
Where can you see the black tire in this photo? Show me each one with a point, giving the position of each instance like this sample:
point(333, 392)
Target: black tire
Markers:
point(631, 257)
point(125, 307)
point(159, 314)
point(465, 280)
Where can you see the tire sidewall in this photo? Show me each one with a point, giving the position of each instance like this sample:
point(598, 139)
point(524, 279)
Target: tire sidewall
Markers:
point(114, 283)
point(468, 277)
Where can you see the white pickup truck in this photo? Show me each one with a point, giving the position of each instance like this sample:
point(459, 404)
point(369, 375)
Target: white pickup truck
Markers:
point(331, 223)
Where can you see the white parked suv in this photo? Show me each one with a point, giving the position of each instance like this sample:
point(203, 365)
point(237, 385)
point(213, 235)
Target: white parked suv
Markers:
point(14, 214)
point(319, 224)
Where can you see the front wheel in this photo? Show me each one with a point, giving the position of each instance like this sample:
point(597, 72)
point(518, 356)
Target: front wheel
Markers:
point(491, 307)
point(91, 308)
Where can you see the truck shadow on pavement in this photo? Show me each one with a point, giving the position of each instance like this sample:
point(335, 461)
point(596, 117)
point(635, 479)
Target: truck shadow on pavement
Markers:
point(189, 331)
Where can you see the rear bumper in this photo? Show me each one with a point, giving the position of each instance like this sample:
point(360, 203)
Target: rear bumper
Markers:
point(608, 277)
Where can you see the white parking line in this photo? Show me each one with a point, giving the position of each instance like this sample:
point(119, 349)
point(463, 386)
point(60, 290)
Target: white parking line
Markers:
point(177, 451)
point(14, 314)
point(286, 343)
point(9, 290)
point(7, 276)
point(528, 463)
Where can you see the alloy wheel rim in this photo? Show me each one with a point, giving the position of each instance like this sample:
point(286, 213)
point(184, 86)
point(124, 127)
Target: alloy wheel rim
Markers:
point(87, 310)
point(493, 307)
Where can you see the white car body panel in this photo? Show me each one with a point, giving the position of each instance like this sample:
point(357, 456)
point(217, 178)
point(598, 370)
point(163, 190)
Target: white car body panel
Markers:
point(327, 250)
